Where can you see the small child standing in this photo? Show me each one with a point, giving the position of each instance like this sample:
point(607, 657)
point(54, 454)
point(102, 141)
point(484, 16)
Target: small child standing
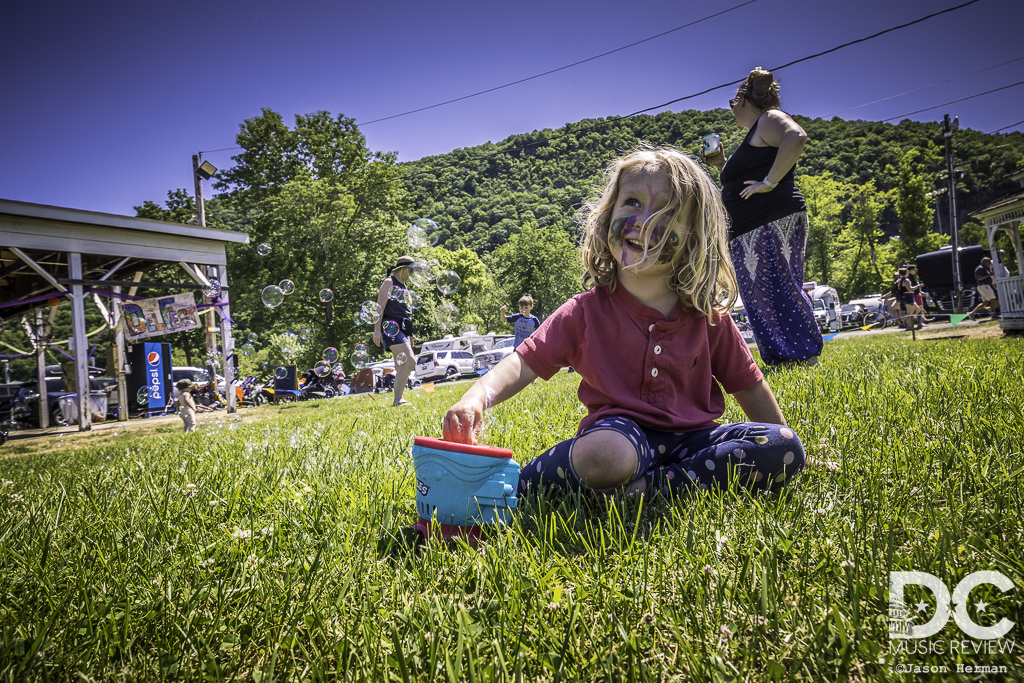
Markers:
point(186, 404)
point(654, 345)
point(523, 322)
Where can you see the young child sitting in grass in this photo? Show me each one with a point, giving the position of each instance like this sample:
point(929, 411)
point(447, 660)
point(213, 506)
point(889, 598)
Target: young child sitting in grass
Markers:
point(654, 345)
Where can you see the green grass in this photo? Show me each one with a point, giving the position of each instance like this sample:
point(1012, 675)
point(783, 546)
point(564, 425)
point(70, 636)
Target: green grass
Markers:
point(275, 548)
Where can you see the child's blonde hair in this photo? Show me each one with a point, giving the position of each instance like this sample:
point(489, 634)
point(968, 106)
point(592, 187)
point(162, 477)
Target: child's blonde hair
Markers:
point(702, 272)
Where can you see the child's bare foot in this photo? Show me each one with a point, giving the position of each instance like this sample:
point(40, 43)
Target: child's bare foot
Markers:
point(829, 465)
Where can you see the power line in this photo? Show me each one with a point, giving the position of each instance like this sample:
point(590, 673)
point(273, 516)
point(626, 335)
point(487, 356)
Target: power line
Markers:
point(969, 97)
point(731, 83)
point(1005, 127)
point(925, 87)
point(561, 68)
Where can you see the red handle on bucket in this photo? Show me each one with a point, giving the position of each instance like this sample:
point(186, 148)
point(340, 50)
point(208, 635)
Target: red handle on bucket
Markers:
point(451, 446)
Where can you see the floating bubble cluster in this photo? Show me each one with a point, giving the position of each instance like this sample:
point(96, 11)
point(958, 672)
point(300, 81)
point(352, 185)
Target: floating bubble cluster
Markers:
point(326, 295)
point(448, 282)
point(331, 354)
point(272, 296)
point(338, 371)
point(390, 328)
point(360, 357)
point(212, 290)
point(263, 249)
point(287, 286)
point(395, 293)
point(370, 312)
point(413, 299)
point(322, 369)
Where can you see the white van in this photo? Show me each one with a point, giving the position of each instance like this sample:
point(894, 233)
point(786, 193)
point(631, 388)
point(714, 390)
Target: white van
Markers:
point(825, 301)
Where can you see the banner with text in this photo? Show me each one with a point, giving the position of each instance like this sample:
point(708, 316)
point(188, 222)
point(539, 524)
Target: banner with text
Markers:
point(154, 317)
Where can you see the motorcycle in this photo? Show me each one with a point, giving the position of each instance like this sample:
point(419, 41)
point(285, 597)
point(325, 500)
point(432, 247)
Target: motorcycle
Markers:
point(250, 393)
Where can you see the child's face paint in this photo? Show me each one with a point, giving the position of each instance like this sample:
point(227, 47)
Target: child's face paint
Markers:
point(641, 195)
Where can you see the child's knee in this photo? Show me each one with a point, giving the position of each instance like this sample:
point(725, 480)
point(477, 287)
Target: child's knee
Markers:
point(604, 459)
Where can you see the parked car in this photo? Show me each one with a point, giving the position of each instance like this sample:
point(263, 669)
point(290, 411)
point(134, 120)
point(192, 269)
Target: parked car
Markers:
point(488, 359)
point(25, 411)
point(852, 315)
point(435, 365)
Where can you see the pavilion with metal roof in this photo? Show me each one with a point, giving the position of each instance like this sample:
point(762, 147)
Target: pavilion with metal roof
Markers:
point(48, 254)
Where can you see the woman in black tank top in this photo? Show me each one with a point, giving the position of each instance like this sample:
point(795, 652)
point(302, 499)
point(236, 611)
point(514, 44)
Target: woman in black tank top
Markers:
point(768, 216)
point(393, 330)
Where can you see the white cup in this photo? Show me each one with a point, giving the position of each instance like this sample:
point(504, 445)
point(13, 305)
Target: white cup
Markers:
point(712, 144)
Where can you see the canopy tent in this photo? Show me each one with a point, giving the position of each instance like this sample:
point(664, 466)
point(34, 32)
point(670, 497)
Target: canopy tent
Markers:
point(50, 253)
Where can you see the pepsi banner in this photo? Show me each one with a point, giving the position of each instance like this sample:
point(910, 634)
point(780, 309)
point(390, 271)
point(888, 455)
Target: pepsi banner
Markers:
point(158, 388)
point(153, 317)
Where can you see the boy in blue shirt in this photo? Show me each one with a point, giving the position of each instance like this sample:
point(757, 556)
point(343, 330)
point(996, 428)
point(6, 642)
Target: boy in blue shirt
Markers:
point(523, 323)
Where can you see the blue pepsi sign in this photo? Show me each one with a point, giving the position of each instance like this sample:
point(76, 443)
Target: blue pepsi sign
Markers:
point(155, 376)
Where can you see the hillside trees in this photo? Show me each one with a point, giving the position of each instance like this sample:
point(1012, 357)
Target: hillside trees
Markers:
point(825, 198)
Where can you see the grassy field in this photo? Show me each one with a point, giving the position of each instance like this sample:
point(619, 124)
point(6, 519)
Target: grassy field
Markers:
point(275, 547)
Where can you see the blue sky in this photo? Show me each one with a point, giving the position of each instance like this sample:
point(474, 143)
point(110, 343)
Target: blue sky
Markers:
point(105, 102)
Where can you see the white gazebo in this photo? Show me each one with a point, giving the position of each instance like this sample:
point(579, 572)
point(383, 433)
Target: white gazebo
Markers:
point(1007, 214)
point(49, 253)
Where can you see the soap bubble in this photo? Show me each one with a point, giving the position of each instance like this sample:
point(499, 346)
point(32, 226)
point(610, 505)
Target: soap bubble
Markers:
point(423, 270)
point(322, 369)
point(448, 282)
point(331, 354)
point(251, 337)
point(142, 395)
point(370, 311)
point(422, 233)
point(212, 290)
point(326, 295)
point(201, 377)
point(357, 318)
point(447, 315)
point(281, 372)
point(272, 296)
point(288, 342)
point(413, 299)
point(287, 286)
point(360, 357)
point(248, 349)
point(304, 334)
point(400, 359)
point(390, 328)
point(434, 264)
point(263, 249)
point(416, 275)
point(338, 371)
point(396, 292)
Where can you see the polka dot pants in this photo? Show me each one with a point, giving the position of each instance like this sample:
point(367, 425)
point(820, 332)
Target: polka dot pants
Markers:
point(751, 454)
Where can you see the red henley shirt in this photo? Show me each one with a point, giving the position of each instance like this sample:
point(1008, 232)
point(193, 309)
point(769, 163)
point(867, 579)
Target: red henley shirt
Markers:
point(664, 374)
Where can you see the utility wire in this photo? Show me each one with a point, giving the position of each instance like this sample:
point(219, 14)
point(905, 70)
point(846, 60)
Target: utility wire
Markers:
point(925, 87)
point(561, 68)
point(1005, 127)
point(969, 97)
point(724, 85)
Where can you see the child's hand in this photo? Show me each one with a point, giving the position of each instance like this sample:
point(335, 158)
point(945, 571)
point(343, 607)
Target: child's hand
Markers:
point(462, 422)
point(503, 309)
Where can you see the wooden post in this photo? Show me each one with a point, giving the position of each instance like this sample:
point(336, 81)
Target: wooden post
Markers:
point(119, 355)
point(81, 343)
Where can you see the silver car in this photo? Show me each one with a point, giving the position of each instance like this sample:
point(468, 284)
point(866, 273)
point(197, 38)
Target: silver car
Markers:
point(436, 365)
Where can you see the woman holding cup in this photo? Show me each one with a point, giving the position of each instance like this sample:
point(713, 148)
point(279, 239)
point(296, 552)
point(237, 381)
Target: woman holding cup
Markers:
point(769, 222)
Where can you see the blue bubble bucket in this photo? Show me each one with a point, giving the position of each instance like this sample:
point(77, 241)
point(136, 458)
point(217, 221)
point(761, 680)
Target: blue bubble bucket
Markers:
point(462, 487)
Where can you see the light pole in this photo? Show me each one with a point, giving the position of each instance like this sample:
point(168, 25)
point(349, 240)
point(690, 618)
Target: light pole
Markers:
point(204, 170)
point(947, 135)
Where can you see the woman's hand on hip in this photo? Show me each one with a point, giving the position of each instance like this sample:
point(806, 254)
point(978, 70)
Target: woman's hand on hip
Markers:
point(754, 187)
point(376, 337)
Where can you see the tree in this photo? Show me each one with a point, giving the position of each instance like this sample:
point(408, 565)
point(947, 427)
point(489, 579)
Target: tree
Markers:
point(825, 197)
point(914, 208)
point(540, 262)
point(181, 208)
point(859, 268)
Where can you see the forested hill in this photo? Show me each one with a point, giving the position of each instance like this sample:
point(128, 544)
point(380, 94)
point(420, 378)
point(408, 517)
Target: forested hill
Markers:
point(479, 196)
